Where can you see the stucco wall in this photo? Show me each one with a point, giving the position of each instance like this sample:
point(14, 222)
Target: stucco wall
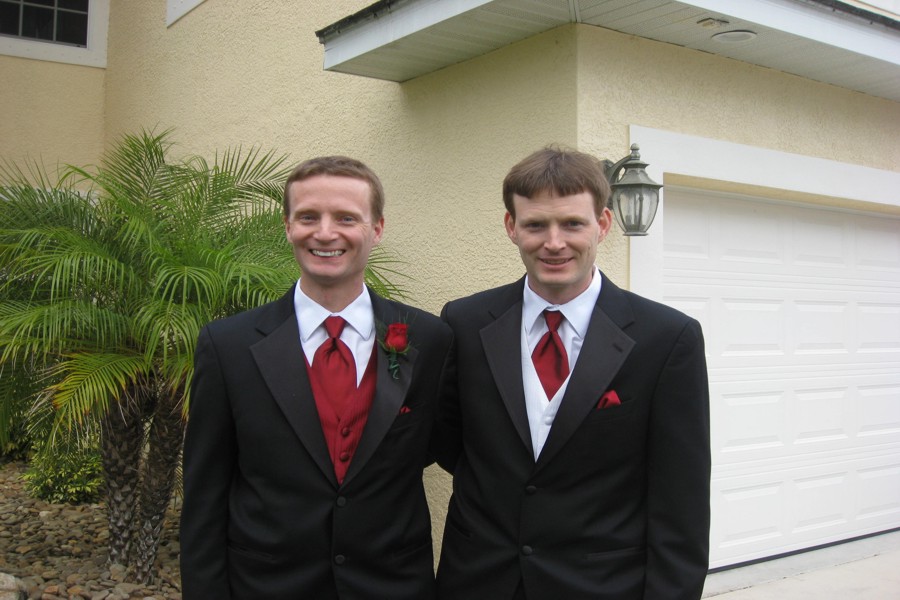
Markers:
point(52, 112)
point(627, 80)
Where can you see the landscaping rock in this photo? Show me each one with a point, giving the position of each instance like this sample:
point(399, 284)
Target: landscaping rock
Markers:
point(58, 551)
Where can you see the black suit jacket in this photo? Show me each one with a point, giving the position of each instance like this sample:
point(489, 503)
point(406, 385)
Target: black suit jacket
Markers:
point(263, 514)
point(617, 505)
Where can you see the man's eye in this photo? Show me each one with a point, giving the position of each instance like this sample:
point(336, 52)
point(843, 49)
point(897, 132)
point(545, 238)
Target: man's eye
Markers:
point(347, 219)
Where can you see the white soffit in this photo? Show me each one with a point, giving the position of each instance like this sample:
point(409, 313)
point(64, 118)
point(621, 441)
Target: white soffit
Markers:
point(398, 40)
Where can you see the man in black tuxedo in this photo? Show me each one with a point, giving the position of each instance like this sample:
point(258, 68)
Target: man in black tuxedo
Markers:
point(578, 429)
point(310, 421)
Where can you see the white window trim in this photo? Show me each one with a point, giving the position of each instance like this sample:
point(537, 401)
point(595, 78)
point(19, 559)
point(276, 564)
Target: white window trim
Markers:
point(175, 9)
point(94, 55)
point(692, 156)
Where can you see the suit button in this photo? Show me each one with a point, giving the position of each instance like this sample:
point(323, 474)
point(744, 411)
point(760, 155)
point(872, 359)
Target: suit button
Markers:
point(527, 550)
point(345, 431)
point(530, 489)
point(339, 559)
point(344, 457)
point(341, 501)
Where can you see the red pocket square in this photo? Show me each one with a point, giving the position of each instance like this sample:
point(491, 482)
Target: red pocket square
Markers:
point(610, 398)
point(406, 409)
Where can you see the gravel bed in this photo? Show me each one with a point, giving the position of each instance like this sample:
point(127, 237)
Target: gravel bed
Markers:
point(59, 550)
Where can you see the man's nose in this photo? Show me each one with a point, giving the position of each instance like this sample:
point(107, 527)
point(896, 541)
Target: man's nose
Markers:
point(325, 230)
point(554, 239)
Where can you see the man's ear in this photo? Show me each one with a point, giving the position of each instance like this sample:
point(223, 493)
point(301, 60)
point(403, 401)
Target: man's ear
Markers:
point(510, 222)
point(605, 220)
point(379, 230)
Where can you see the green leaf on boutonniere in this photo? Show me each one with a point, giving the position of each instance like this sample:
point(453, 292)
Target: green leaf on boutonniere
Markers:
point(395, 342)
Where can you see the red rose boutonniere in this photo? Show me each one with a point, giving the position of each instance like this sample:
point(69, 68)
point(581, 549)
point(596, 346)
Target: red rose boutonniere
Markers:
point(395, 343)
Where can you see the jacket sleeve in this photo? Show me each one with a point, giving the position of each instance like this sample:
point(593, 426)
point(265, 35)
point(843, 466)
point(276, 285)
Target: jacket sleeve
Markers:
point(447, 439)
point(679, 474)
point(209, 461)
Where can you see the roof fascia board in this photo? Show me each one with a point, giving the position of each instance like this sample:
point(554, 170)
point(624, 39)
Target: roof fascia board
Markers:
point(796, 18)
point(406, 19)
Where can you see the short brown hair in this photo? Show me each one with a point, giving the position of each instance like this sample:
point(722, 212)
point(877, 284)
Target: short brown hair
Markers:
point(558, 171)
point(338, 166)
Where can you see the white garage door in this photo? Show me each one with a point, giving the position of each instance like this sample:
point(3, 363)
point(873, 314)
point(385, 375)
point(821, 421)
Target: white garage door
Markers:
point(800, 306)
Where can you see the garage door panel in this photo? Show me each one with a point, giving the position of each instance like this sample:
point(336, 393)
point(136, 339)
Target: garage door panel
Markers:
point(821, 241)
point(783, 417)
point(750, 423)
point(788, 509)
point(878, 496)
point(801, 324)
point(800, 308)
point(877, 327)
point(878, 246)
point(879, 412)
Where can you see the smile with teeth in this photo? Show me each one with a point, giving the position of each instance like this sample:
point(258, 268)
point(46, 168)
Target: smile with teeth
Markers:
point(555, 261)
point(327, 253)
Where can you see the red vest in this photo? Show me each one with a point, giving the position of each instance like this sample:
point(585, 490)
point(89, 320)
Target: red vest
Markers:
point(343, 432)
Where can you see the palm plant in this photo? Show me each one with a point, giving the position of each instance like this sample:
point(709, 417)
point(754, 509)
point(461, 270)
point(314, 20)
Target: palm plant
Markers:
point(108, 274)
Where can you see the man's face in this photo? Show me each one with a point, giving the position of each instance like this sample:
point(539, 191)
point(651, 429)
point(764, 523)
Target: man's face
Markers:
point(331, 228)
point(557, 239)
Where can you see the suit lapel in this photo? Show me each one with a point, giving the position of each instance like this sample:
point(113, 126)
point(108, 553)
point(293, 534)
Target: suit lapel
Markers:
point(389, 392)
point(604, 351)
point(280, 359)
point(502, 342)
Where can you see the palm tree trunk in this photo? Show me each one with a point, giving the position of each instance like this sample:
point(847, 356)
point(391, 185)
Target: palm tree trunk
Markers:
point(163, 452)
point(121, 439)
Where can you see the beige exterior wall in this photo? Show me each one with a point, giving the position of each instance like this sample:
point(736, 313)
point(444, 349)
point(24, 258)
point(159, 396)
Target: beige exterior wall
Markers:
point(52, 112)
point(250, 73)
point(700, 94)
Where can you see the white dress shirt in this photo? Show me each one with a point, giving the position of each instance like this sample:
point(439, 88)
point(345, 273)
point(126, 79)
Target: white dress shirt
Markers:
point(358, 334)
point(577, 316)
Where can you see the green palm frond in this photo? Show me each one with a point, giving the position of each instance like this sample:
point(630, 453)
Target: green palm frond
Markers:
point(45, 330)
point(134, 169)
point(382, 274)
point(89, 382)
point(252, 168)
point(69, 261)
point(167, 329)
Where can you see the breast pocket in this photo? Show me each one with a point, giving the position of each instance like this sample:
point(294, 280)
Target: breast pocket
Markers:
point(610, 434)
point(611, 413)
point(410, 416)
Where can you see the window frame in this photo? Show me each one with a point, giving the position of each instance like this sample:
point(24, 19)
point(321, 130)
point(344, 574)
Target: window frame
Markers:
point(93, 55)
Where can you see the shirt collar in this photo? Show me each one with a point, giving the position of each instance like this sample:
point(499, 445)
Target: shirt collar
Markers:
point(311, 315)
point(577, 311)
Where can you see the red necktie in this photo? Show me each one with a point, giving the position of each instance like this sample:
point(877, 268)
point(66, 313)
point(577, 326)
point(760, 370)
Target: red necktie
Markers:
point(550, 359)
point(334, 365)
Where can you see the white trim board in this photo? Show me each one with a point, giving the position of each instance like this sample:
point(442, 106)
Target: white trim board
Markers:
point(693, 156)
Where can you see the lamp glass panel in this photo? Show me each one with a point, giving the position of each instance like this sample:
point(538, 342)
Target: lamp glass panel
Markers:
point(635, 207)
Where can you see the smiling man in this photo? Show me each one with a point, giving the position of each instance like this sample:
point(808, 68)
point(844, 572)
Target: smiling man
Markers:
point(310, 420)
point(577, 423)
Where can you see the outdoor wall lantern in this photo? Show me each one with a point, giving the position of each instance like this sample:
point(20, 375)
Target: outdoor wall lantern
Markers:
point(634, 195)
